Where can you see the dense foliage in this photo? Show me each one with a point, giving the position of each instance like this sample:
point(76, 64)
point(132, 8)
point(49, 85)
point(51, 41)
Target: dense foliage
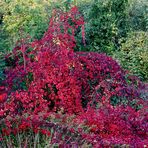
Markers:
point(29, 16)
point(107, 23)
point(107, 28)
point(46, 78)
point(135, 52)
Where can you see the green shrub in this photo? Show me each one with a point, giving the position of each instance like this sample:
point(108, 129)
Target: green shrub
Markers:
point(138, 16)
point(106, 23)
point(133, 55)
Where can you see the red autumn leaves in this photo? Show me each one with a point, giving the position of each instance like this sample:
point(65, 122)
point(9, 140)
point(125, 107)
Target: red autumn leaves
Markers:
point(90, 85)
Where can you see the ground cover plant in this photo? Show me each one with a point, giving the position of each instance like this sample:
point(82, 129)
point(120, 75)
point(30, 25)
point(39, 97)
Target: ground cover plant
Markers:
point(58, 97)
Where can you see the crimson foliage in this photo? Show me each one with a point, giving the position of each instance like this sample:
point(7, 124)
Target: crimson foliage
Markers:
point(48, 76)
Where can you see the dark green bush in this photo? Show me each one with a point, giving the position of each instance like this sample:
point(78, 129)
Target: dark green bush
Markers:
point(106, 24)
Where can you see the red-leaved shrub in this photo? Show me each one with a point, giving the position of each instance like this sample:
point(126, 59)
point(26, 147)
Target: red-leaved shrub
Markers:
point(48, 76)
